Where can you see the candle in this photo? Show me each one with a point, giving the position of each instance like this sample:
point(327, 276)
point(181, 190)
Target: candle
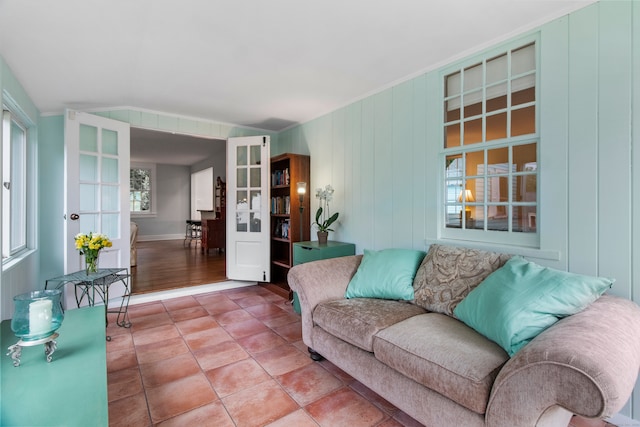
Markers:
point(40, 316)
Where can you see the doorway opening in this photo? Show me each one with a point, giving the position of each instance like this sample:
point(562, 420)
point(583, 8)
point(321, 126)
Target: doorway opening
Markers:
point(168, 264)
point(163, 261)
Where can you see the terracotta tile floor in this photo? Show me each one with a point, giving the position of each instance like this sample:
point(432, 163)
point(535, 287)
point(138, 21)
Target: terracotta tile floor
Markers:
point(232, 358)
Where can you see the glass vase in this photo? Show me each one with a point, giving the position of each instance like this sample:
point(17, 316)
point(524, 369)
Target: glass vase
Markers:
point(38, 314)
point(91, 263)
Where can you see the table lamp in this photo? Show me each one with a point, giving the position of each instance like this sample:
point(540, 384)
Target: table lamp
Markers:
point(467, 197)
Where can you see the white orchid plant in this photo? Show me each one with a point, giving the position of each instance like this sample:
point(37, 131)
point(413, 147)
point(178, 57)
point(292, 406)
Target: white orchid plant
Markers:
point(323, 217)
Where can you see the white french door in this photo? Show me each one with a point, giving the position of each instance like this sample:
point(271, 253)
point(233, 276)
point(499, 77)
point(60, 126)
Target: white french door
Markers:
point(96, 187)
point(248, 235)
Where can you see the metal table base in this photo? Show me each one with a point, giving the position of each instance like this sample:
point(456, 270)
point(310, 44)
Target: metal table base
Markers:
point(95, 288)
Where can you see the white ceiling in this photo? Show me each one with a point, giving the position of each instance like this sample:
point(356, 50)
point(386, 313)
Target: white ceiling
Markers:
point(265, 64)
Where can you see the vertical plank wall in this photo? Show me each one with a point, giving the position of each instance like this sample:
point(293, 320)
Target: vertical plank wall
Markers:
point(371, 152)
point(614, 143)
point(381, 153)
point(583, 141)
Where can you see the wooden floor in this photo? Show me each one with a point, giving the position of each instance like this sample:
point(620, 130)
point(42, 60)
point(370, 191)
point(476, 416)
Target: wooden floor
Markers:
point(169, 264)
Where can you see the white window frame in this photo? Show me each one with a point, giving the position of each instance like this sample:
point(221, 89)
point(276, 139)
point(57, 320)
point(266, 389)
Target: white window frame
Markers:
point(153, 205)
point(18, 210)
point(514, 238)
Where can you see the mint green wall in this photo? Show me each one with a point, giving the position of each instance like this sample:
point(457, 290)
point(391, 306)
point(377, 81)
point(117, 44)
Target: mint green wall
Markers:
point(373, 153)
point(381, 153)
point(51, 173)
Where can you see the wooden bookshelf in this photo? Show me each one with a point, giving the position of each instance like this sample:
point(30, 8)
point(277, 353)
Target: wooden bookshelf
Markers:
point(286, 171)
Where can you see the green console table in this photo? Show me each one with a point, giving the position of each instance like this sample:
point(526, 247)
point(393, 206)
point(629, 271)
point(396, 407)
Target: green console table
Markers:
point(69, 391)
point(313, 251)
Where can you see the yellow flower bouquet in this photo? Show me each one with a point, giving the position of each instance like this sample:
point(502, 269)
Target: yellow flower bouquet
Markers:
point(90, 245)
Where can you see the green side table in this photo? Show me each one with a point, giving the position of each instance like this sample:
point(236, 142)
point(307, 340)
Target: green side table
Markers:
point(312, 251)
point(69, 391)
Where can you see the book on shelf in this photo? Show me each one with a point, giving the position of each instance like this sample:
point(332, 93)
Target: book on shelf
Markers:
point(280, 177)
point(280, 205)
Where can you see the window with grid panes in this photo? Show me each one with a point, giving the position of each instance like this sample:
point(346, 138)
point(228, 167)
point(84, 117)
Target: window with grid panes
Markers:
point(141, 189)
point(490, 149)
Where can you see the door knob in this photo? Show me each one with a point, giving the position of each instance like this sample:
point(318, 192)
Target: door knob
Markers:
point(74, 217)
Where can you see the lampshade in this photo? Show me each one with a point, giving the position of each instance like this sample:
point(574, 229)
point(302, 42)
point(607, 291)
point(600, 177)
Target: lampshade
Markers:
point(302, 188)
point(466, 196)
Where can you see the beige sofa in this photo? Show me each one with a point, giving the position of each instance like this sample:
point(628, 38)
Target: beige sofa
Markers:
point(443, 373)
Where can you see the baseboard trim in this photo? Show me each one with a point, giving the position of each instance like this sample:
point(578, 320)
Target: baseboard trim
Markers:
point(278, 290)
point(190, 290)
point(152, 238)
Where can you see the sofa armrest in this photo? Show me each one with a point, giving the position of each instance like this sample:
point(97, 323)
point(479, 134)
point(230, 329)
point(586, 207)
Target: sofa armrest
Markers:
point(586, 363)
point(319, 281)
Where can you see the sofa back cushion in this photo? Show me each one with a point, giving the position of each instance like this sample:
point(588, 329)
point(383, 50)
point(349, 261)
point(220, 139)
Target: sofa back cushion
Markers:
point(385, 274)
point(522, 299)
point(448, 273)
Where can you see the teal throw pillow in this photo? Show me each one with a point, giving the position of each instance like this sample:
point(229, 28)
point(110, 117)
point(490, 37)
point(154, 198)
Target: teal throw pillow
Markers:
point(385, 274)
point(520, 300)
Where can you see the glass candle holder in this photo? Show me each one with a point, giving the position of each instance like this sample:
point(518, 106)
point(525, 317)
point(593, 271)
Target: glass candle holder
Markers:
point(38, 314)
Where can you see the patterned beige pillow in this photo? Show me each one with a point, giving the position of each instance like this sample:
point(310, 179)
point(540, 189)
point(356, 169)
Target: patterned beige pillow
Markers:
point(448, 273)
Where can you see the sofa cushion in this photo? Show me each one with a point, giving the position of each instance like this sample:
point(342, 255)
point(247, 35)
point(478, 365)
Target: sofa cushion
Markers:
point(357, 320)
point(444, 355)
point(520, 300)
point(386, 274)
point(448, 273)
